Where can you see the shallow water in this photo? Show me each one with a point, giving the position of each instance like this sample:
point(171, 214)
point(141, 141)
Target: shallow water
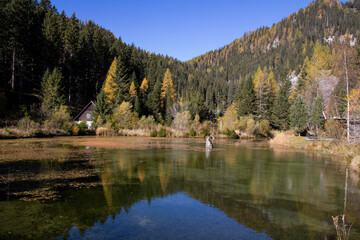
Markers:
point(170, 189)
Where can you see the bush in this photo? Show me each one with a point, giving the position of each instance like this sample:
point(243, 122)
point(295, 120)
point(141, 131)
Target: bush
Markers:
point(250, 127)
point(147, 122)
point(264, 128)
point(192, 132)
point(182, 120)
point(153, 133)
point(231, 134)
point(162, 132)
point(27, 124)
point(83, 128)
point(105, 131)
point(334, 129)
point(206, 128)
point(75, 130)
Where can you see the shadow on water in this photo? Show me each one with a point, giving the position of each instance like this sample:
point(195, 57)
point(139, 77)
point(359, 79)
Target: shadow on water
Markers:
point(248, 192)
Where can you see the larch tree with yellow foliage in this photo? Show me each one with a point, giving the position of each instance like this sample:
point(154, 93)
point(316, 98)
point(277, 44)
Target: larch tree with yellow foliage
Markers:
point(263, 92)
point(143, 93)
point(167, 95)
point(110, 86)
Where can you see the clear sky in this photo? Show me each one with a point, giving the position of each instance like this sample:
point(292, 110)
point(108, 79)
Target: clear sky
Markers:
point(182, 29)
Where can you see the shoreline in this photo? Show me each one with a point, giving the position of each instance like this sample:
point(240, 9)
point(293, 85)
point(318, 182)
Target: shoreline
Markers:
point(350, 154)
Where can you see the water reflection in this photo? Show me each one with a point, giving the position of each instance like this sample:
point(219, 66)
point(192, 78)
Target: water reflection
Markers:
point(287, 195)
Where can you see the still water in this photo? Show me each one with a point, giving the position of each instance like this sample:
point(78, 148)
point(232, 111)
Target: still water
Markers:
point(238, 191)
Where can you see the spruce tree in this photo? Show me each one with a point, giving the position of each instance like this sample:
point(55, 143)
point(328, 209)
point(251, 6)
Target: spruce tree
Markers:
point(123, 76)
point(298, 115)
point(246, 97)
point(280, 114)
point(101, 109)
point(52, 90)
point(317, 118)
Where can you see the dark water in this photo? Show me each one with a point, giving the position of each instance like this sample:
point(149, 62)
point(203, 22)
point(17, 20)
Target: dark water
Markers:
point(247, 191)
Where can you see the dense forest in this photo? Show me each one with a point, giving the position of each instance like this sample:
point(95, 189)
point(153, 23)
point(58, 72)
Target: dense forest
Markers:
point(51, 63)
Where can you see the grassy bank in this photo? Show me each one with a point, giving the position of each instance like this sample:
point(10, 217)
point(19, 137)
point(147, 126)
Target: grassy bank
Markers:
point(351, 153)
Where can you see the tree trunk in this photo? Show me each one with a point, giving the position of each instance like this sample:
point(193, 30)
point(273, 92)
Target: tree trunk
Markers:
point(348, 100)
point(13, 71)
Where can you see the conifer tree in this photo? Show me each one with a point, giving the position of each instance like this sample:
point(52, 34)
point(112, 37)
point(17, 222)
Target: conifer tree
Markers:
point(153, 102)
point(246, 97)
point(110, 86)
point(143, 95)
point(123, 76)
point(101, 109)
point(317, 118)
point(167, 95)
point(132, 91)
point(298, 115)
point(280, 115)
point(167, 87)
point(263, 91)
point(52, 90)
point(274, 86)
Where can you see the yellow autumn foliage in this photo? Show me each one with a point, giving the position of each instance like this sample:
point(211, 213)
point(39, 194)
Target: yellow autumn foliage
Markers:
point(110, 87)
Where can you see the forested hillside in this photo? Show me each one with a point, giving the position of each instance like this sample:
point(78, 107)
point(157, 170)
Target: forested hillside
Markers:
point(51, 62)
point(280, 49)
point(34, 37)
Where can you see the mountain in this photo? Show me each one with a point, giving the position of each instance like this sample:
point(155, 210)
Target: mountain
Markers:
point(281, 48)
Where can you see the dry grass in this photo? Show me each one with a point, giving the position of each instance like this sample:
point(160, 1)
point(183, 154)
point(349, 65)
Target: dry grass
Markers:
point(350, 152)
point(14, 132)
point(105, 131)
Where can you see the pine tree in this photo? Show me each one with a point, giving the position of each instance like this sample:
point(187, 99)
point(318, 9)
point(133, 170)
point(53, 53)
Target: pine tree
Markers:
point(317, 118)
point(52, 90)
point(280, 115)
point(110, 86)
point(298, 115)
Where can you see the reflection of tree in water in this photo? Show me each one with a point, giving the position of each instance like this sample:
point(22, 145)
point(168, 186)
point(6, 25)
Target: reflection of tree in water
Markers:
point(250, 186)
point(165, 170)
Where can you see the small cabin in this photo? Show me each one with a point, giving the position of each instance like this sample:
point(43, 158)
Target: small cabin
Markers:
point(86, 114)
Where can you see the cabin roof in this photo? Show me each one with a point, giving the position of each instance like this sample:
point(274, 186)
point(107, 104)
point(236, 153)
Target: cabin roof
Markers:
point(84, 109)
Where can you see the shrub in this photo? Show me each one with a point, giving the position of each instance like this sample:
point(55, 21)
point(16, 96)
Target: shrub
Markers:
point(162, 132)
point(27, 124)
point(147, 122)
point(206, 128)
point(192, 132)
point(67, 127)
point(229, 120)
point(75, 130)
point(153, 133)
point(196, 122)
point(334, 129)
point(182, 120)
point(231, 134)
point(124, 118)
point(250, 127)
point(105, 131)
point(264, 128)
point(83, 128)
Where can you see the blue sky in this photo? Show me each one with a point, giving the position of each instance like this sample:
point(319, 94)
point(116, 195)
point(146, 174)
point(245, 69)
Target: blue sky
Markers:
point(182, 29)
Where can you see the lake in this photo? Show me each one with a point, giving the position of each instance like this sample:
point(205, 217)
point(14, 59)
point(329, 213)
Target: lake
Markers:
point(152, 188)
